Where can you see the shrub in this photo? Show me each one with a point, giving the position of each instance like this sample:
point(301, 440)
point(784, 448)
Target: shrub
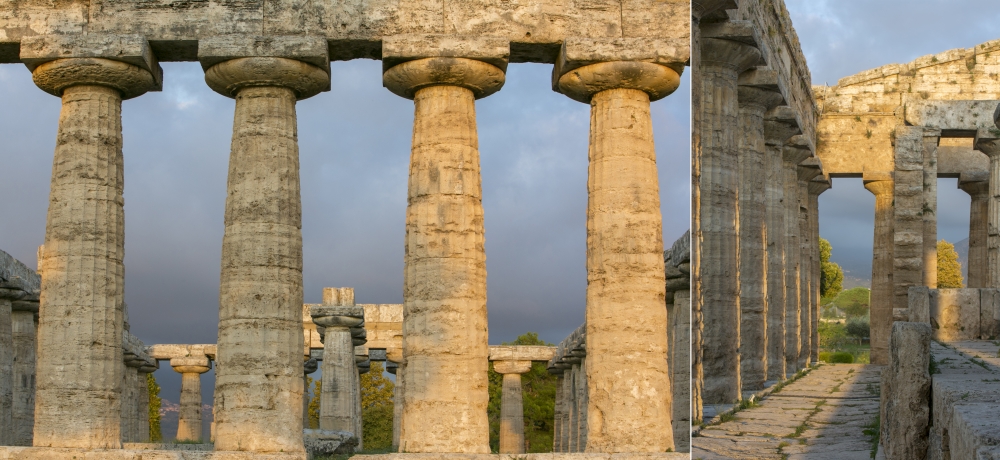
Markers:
point(842, 357)
point(824, 356)
point(858, 327)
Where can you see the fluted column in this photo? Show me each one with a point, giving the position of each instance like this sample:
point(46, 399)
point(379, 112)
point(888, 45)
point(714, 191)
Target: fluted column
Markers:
point(260, 322)
point(142, 430)
point(308, 367)
point(130, 399)
point(444, 327)
point(570, 416)
point(978, 212)
point(805, 273)
point(721, 63)
point(625, 271)
point(882, 265)
point(396, 356)
point(338, 399)
point(189, 416)
point(79, 366)
point(558, 410)
point(816, 188)
point(990, 145)
point(511, 406)
point(757, 94)
point(6, 372)
point(24, 326)
point(779, 126)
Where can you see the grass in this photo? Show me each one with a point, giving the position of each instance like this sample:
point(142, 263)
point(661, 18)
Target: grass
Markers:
point(873, 432)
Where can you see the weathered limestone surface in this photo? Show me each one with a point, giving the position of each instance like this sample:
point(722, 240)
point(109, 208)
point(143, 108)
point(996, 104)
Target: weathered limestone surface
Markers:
point(339, 396)
point(978, 212)
point(79, 366)
point(931, 139)
point(792, 154)
point(806, 171)
point(721, 61)
point(444, 328)
point(882, 267)
point(758, 93)
point(988, 142)
point(677, 266)
point(6, 373)
point(261, 288)
point(19, 290)
point(623, 217)
point(23, 410)
point(189, 417)
point(905, 393)
point(511, 406)
point(908, 208)
point(817, 186)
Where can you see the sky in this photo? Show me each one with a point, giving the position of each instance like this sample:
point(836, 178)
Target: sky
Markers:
point(841, 38)
point(354, 144)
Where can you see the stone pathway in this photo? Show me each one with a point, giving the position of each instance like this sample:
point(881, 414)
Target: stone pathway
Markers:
point(818, 417)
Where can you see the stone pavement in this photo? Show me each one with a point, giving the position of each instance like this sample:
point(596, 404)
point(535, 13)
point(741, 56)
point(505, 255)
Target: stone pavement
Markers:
point(819, 416)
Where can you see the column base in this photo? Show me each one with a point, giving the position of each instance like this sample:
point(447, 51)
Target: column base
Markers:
point(134, 452)
point(549, 456)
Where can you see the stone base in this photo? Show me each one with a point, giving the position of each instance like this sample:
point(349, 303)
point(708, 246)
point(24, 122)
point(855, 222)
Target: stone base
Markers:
point(575, 456)
point(50, 453)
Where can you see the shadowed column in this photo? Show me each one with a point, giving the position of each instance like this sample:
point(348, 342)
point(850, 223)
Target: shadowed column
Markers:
point(978, 212)
point(79, 366)
point(792, 155)
point(511, 406)
point(6, 370)
point(189, 416)
point(444, 327)
point(258, 389)
point(816, 188)
point(881, 295)
point(987, 142)
point(722, 60)
point(24, 334)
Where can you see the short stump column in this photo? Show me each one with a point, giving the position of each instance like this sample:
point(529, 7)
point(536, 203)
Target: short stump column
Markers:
point(258, 389)
point(445, 339)
point(511, 406)
point(628, 383)
point(189, 417)
point(79, 367)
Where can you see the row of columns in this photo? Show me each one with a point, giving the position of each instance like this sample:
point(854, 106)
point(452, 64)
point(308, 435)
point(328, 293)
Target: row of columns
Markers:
point(18, 323)
point(757, 282)
point(572, 393)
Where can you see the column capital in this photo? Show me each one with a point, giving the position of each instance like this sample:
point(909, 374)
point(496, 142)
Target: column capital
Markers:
point(234, 62)
point(759, 86)
point(512, 367)
point(819, 184)
point(975, 188)
point(729, 45)
point(988, 141)
point(587, 66)
point(780, 125)
point(411, 62)
point(191, 365)
point(121, 62)
point(808, 169)
point(796, 150)
point(310, 365)
point(880, 186)
point(699, 8)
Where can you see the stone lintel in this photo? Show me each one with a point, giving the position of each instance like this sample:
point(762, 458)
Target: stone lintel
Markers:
point(355, 311)
point(973, 176)
point(820, 184)
point(512, 367)
point(131, 49)
point(308, 49)
point(170, 351)
point(737, 31)
point(579, 52)
point(700, 8)
point(953, 118)
point(383, 313)
point(680, 252)
point(25, 305)
point(15, 275)
point(985, 139)
point(957, 161)
point(876, 176)
point(398, 49)
point(376, 354)
point(521, 353)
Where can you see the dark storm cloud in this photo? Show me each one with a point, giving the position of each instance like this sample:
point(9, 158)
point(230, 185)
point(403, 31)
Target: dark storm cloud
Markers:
point(354, 144)
point(843, 37)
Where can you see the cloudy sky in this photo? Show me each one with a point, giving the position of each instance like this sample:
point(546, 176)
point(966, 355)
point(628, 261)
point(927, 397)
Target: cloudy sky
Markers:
point(844, 37)
point(354, 152)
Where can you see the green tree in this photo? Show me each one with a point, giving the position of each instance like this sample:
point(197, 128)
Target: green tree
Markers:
point(538, 389)
point(949, 270)
point(854, 302)
point(376, 407)
point(155, 435)
point(314, 403)
point(831, 275)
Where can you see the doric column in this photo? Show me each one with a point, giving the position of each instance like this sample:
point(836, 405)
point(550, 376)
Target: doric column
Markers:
point(338, 399)
point(6, 370)
point(817, 186)
point(79, 366)
point(988, 143)
point(931, 139)
point(722, 60)
point(396, 357)
point(570, 418)
point(978, 212)
point(361, 366)
point(792, 155)
point(260, 300)
point(189, 416)
point(625, 271)
point(758, 93)
point(558, 410)
point(444, 294)
point(511, 407)
point(142, 431)
point(130, 399)
point(308, 367)
point(779, 126)
point(24, 323)
point(807, 170)
point(882, 265)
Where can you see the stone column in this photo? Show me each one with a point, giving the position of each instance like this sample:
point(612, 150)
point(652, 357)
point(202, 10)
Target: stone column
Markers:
point(358, 425)
point(722, 60)
point(444, 326)
point(816, 187)
point(308, 367)
point(570, 418)
point(625, 272)
point(779, 126)
point(681, 383)
point(260, 300)
point(559, 410)
point(511, 407)
point(882, 266)
point(807, 170)
point(142, 431)
point(792, 155)
point(130, 398)
point(24, 324)
point(931, 139)
point(79, 361)
point(189, 416)
point(758, 93)
point(338, 399)
point(908, 206)
point(978, 212)
point(988, 143)
point(396, 356)
point(6, 370)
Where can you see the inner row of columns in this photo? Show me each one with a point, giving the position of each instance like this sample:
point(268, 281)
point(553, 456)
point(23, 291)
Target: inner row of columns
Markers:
point(261, 281)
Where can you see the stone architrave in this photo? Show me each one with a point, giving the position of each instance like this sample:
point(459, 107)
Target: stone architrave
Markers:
point(723, 56)
point(79, 356)
point(758, 92)
point(625, 271)
point(445, 339)
point(793, 153)
point(24, 325)
point(978, 211)
point(882, 267)
point(189, 417)
point(261, 283)
point(511, 406)
point(779, 126)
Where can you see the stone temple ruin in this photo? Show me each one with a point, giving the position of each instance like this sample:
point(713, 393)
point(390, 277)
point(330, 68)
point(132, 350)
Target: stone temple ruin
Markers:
point(615, 55)
point(767, 143)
